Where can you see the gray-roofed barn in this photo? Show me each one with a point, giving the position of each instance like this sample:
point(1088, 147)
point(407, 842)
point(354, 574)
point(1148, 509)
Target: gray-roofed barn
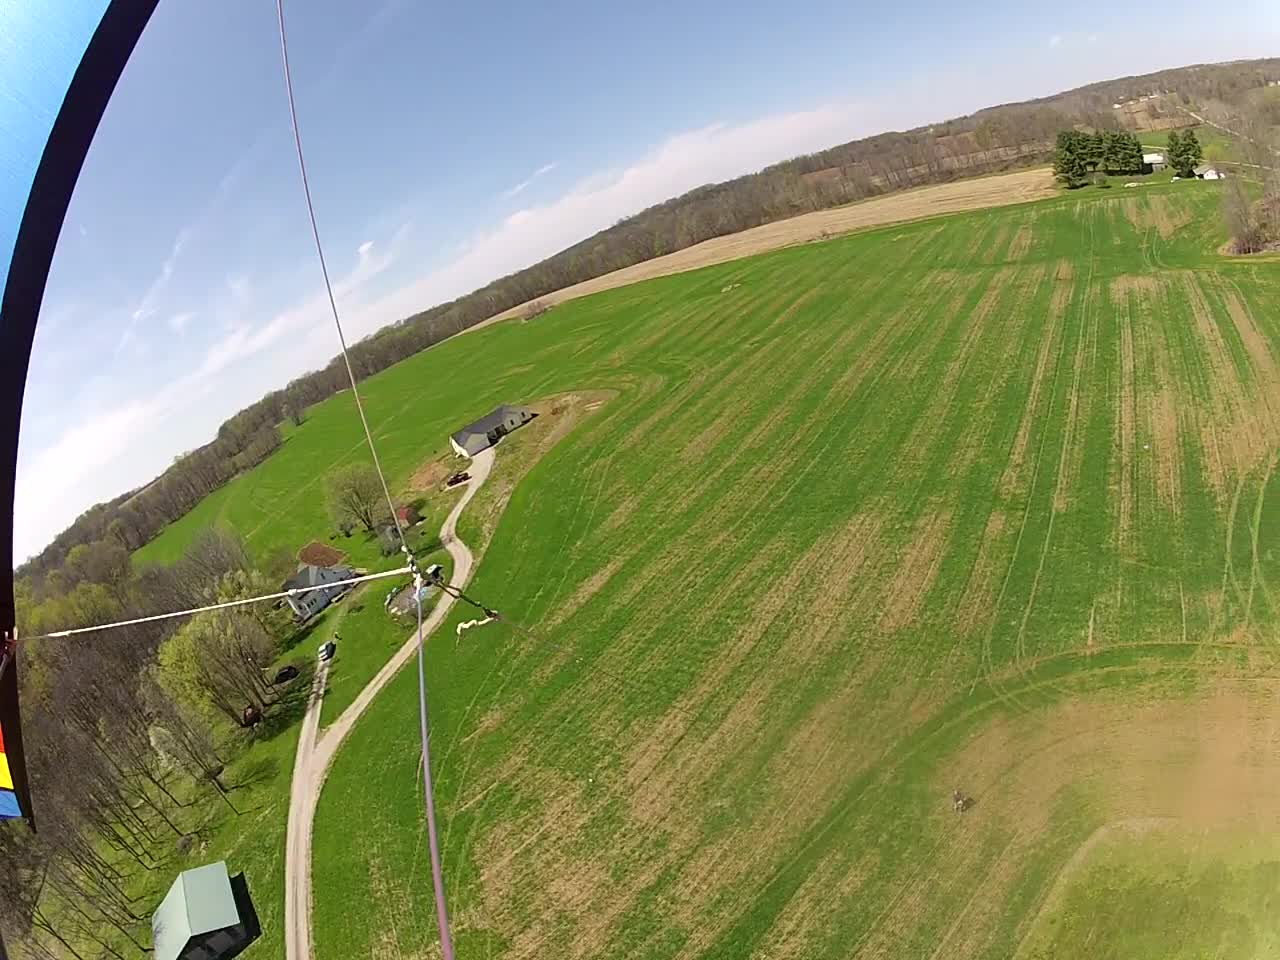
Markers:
point(489, 429)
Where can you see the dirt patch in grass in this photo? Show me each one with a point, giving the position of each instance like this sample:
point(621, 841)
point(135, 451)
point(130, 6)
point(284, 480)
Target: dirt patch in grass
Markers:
point(1126, 430)
point(1121, 288)
point(1078, 399)
point(428, 477)
point(1014, 478)
point(1238, 434)
point(1020, 243)
point(585, 591)
point(995, 249)
point(1165, 217)
point(977, 607)
point(320, 554)
point(1257, 344)
point(905, 592)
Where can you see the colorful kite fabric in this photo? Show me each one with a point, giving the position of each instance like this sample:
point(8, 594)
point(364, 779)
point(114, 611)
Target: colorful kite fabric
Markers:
point(8, 799)
point(15, 801)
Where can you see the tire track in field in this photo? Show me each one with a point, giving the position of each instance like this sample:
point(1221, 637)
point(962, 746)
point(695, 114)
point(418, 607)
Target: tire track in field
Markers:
point(583, 702)
point(1255, 569)
point(987, 665)
point(857, 379)
point(1089, 320)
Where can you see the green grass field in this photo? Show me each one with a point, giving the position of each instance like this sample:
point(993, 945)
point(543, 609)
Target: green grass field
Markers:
point(984, 501)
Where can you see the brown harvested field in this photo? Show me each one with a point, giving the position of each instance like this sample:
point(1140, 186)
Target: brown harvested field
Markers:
point(997, 191)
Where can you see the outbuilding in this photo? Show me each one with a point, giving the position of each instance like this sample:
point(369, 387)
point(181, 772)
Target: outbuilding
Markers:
point(1207, 171)
point(489, 429)
point(206, 915)
point(1153, 162)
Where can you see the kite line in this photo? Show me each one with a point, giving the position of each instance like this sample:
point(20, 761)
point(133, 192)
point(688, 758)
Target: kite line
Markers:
point(437, 869)
point(174, 614)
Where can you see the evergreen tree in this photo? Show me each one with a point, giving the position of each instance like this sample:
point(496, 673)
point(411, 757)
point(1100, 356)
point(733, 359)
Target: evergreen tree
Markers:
point(1130, 160)
point(1094, 150)
point(1114, 150)
point(1068, 160)
point(1173, 152)
point(1192, 155)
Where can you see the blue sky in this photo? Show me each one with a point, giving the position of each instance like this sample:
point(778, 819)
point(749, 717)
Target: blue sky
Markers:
point(449, 144)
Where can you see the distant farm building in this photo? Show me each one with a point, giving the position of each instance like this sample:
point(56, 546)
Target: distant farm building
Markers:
point(1153, 162)
point(314, 582)
point(488, 430)
point(206, 915)
point(1207, 171)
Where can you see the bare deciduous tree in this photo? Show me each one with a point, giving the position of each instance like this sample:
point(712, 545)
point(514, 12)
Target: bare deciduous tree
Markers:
point(355, 495)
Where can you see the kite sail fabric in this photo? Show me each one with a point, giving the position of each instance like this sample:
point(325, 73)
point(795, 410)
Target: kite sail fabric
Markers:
point(15, 799)
point(59, 63)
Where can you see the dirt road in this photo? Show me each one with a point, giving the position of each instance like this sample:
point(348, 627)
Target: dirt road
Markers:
point(316, 750)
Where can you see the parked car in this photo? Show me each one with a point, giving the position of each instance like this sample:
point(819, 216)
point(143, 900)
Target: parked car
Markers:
point(327, 650)
point(285, 673)
point(433, 574)
point(457, 478)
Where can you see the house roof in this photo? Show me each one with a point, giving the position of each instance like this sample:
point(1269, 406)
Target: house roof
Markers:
point(200, 901)
point(488, 422)
point(1153, 158)
point(312, 576)
point(1203, 169)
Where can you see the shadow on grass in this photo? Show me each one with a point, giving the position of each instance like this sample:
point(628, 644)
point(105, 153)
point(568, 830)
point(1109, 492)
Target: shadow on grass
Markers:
point(300, 634)
point(289, 708)
point(255, 770)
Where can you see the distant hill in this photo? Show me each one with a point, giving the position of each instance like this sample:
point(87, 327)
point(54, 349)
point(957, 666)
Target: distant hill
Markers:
point(990, 140)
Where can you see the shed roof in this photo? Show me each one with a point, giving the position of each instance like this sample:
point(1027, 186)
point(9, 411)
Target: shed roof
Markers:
point(1203, 169)
point(200, 901)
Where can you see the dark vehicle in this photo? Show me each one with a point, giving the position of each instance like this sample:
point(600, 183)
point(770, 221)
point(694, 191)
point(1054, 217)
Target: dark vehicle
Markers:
point(327, 650)
point(285, 674)
point(250, 716)
point(457, 478)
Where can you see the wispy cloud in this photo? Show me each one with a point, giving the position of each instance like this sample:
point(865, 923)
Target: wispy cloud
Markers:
point(146, 306)
point(524, 184)
point(681, 162)
point(1055, 40)
point(119, 446)
point(178, 321)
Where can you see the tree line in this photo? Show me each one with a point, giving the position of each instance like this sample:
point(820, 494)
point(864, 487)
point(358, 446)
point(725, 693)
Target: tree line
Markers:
point(1079, 156)
point(988, 141)
point(121, 727)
